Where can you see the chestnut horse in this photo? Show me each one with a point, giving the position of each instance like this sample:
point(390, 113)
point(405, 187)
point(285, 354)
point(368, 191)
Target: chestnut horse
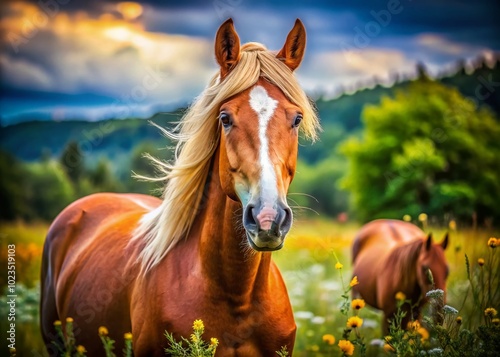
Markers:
point(391, 256)
point(135, 263)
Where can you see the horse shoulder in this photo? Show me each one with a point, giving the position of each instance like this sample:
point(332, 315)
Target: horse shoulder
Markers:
point(88, 263)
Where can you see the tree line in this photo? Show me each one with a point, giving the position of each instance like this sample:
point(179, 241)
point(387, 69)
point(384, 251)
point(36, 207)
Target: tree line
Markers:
point(40, 190)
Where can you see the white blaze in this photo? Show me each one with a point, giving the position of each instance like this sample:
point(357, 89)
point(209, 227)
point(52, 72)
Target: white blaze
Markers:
point(265, 106)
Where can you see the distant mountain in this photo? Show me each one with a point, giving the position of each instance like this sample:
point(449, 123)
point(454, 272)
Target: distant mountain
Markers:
point(114, 139)
point(17, 106)
point(340, 117)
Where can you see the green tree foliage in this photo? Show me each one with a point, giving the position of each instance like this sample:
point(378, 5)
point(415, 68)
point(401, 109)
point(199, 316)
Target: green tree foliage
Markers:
point(72, 161)
point(428, 149)
point(48, 190)
point(316, 188)
point(141, 166)
point(102, 178)
point(12, 181)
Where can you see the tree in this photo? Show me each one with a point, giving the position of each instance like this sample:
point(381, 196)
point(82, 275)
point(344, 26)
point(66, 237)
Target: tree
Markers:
point(316, 187)
point(48, 190)
point(142, 166)
point(428, 149)
point(12, 182)
point(72, 161)
point(102, 178)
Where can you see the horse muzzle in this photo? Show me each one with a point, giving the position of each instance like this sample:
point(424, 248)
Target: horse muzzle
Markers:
point(267, 227)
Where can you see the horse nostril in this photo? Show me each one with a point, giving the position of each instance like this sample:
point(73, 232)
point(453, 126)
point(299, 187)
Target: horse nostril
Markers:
point(286, 224)
point(249, 220)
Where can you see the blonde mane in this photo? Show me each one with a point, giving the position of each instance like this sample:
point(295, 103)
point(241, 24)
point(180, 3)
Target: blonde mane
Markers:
point(197, 137)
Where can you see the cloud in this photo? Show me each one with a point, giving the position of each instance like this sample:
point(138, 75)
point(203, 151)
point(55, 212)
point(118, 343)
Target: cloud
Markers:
point(24, 74)
point(77, 53)
point(107, 48)
point(440, 44)
point(325, 71)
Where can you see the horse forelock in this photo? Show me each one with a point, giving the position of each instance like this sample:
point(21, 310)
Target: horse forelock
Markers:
point(198, 136)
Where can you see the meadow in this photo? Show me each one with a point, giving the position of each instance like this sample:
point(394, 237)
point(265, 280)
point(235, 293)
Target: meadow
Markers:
point(307, 263)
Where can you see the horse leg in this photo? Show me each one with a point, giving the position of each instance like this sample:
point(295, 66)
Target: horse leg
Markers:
point(48, 311)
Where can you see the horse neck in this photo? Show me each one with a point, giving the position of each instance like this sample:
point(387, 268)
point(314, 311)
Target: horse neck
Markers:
point(225, 256)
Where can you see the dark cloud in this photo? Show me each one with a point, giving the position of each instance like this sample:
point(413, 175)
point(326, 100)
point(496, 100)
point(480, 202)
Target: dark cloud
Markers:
point(385, 36)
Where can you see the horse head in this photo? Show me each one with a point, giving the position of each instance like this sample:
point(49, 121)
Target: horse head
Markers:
point(259, 135)
point(432, 268)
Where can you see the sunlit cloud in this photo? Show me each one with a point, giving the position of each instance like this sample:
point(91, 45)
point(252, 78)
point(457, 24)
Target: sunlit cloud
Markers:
point(129, 10)
point(329, 70)
point(111, 49)
point(441, 44)
point(108, 54)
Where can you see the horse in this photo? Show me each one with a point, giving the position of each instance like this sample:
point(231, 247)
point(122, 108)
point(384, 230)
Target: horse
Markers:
point(139, 264)
point(391, 256)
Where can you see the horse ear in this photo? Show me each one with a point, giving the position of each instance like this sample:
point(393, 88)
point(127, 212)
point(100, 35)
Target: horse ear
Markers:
point(444, 243)
point(428, 242)
point(293, 50)
point(227, 47)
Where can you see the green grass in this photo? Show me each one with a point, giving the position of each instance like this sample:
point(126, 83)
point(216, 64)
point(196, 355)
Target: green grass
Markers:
point(308, 265)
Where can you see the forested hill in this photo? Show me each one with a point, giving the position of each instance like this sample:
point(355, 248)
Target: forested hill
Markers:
point(115, 139)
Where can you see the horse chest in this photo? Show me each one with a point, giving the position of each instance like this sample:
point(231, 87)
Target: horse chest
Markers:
point(254, 328)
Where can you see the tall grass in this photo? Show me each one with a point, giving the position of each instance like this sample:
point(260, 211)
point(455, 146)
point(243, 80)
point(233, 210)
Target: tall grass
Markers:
point(308, 265)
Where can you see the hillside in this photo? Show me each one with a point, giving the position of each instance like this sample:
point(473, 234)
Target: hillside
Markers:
point(340, 117)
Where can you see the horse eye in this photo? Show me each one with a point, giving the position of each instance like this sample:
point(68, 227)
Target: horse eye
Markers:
point(297, 121)
point(225, 119)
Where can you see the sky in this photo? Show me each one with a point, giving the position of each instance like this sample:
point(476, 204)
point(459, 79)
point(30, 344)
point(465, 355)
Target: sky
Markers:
point(95, 59)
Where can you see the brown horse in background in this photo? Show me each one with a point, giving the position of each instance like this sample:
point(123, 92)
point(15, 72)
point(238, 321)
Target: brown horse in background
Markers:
point(391, 256)
point(134, 263)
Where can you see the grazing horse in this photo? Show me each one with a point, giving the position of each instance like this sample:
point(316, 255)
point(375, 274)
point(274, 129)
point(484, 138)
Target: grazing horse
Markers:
point(135, 263)
point(391, 256)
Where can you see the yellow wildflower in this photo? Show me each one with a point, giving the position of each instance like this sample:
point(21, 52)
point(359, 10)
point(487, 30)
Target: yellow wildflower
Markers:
point(493, 242)
point(422, 217)
point(400, 296)
point(452, 225)
point(329, 339)
point(80, 349)
point(127, 336)
point(198, 325)
point(458, 320)
point(338, 266)
point(424, 334)
point(407, 218)
point(480, 261)
point(490, 312)
point(496, 321)
point(388, 348)
point(354, 282)
point(355, 321)
point(103, 331)
point(214, 342)
point(413, 325)
point(358, 304)
point(69, 320)
point(194, 338)
point(346, 347)
point(57, 323)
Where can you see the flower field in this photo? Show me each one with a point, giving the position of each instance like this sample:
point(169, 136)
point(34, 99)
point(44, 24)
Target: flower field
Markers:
point(315, 263)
